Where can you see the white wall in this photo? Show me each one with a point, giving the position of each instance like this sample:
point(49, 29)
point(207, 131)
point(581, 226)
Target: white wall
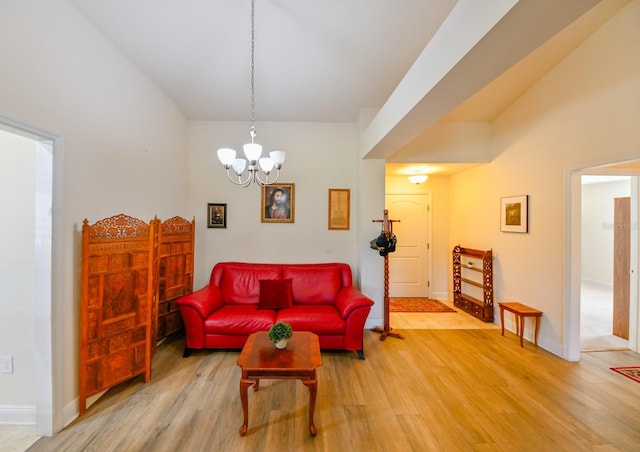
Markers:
point(585, 109)
point(124, 143)
point(17, 268)
point(319, 156)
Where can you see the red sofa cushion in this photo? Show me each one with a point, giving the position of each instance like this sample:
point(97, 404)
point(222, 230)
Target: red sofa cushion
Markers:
point(319, 319)
point(275, 294)
point(313, 285)
point(240, 284)
point(239, 319)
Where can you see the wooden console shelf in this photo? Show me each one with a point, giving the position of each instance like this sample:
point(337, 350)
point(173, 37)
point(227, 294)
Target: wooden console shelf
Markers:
point(466, 261)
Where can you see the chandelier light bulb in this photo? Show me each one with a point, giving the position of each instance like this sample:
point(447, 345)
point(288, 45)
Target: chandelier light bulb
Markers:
point(278, 158)
point(252, 151)
point(266, 165)
point(226, 156)
point(239, 166)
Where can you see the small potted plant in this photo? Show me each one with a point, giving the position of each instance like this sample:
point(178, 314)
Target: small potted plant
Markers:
point(279, 333)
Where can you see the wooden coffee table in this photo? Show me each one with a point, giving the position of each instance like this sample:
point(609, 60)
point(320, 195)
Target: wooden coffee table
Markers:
point(260, 359)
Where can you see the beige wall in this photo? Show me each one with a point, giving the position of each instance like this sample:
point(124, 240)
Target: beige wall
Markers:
point(586, 109)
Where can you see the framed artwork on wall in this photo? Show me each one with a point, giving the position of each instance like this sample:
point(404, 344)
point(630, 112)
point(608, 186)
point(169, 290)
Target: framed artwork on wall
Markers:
point(514, 214)
point(216, 215)
point(278, 203)
point(339, 208)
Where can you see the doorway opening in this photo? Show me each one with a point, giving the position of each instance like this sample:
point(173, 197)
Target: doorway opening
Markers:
point(604, 289)
point(35, 155)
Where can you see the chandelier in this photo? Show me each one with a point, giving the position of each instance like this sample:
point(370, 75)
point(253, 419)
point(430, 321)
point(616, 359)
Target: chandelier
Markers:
point(418, 177)
point(259, 168)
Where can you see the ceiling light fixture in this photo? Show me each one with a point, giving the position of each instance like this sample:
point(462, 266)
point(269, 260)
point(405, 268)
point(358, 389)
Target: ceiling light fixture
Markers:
point(418, 178)
point(253, 150)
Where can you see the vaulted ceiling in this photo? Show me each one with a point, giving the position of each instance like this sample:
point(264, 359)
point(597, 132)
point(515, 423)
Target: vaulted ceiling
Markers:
point(408, 64)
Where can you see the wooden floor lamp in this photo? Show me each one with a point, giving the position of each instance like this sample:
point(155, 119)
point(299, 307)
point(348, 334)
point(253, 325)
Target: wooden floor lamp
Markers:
point(386, 330)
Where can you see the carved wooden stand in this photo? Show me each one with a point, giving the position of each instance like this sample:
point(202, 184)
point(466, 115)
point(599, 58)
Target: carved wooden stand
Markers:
point(386, 330)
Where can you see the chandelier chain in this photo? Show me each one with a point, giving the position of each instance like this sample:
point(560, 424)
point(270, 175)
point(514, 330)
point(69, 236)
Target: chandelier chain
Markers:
point(253, 97)
point(253, 151)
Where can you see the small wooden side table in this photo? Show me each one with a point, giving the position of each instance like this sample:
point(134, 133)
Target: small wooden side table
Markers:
point(260, 358)
point(521, 311)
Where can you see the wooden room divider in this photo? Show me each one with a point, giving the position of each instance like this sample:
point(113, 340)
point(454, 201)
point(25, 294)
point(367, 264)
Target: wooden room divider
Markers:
point(131, 274)
point(175, 272)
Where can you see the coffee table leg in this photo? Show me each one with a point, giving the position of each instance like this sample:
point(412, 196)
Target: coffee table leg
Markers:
point(244, 385)
point(313, 391)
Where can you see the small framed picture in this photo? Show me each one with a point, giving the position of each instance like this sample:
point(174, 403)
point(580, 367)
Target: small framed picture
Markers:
point(278, 203)
point(216, 215)
point(339, 208)
point(514, 214)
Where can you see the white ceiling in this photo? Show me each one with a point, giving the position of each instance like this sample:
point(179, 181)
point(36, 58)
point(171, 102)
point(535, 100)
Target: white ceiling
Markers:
point(318, 60)
point(323, 60)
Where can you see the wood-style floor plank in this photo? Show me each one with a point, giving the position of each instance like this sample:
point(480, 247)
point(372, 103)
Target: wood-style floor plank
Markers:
point(439, 390)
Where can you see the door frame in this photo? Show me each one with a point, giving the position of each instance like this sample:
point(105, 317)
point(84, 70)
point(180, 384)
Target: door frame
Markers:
point(572, 252)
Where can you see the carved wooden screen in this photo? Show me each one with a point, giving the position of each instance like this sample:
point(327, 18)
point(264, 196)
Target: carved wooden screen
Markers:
point(116, 303)
point(175, 272)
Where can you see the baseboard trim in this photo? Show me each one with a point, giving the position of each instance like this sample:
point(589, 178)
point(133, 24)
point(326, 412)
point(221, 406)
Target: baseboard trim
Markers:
point(18, 414)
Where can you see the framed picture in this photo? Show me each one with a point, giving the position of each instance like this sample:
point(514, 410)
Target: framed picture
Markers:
point(339, 206)
point(278, 203)
point(216, 215)
point(514, 214)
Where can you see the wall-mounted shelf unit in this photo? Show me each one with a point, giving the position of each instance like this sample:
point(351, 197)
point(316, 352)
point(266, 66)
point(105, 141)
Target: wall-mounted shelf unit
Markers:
point(473, 282)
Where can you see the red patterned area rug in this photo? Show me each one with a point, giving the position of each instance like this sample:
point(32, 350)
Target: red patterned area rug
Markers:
point(629, 372)
point(418, 305)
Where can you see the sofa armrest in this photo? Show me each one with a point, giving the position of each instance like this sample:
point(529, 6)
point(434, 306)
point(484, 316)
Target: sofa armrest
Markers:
point(204, 301)
point(349, 299)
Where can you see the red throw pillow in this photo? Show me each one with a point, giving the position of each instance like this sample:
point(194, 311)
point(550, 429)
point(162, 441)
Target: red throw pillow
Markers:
point(275, 294)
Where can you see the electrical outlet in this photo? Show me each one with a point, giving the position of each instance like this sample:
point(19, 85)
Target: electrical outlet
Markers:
point(6, 364)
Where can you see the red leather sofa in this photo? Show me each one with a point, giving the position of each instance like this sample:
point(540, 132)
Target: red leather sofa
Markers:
point(242, 298)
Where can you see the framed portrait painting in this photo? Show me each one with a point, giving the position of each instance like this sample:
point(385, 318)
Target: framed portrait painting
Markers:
point(278, 203)
point(216, 215)
point(514, 214)
point(339, 208)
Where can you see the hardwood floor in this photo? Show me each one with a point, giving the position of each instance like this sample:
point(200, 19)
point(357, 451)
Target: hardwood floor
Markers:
point(458, 320)
point(453, 389)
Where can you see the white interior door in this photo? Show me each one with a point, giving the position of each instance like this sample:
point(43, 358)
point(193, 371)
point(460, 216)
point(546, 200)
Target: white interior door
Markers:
point(409, 265)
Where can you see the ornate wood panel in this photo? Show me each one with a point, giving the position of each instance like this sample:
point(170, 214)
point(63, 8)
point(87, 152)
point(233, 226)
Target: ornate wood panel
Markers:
point(175, 272)
point(116, 303)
